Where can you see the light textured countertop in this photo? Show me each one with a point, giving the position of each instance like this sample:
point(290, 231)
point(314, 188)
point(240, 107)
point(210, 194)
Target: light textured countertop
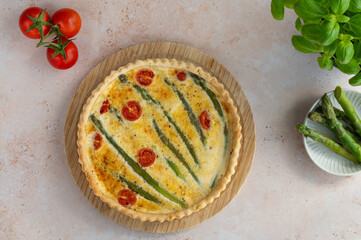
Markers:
point(286, 196)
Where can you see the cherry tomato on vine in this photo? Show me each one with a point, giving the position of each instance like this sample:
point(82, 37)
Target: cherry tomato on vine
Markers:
point(59, 61)
point(68, 21)
point(25, 22)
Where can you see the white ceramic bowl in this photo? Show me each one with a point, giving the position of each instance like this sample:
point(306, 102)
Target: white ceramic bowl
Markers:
point(322, 156)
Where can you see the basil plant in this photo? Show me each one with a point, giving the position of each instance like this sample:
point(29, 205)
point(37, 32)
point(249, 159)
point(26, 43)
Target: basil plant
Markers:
point(331, 28)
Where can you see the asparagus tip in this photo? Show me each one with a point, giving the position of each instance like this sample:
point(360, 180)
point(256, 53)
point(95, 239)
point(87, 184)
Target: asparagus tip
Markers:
point(315, 116)
point(327, 107)
point(338, 91)
point(301, 128)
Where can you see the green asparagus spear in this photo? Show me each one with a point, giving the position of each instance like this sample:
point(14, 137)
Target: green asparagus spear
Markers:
point(348, 108)
point(214, 182)
point(135, 166)
point(174, 150)
point(345, 138)
point(183, 137)
point(146, 96)
point(123, 78)
point(116, 112)
point(201, 82)
point(341, 115)
point(175, 169)
point(328, 142)
point(217, 105)
point(189, 110)
point(317, 117)
point(135, 188)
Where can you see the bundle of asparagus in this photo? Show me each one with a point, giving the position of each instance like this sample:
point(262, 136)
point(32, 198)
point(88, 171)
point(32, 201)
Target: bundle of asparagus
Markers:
point(345, 124)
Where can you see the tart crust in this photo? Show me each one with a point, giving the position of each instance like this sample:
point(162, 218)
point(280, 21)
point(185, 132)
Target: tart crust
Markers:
point(234, 130)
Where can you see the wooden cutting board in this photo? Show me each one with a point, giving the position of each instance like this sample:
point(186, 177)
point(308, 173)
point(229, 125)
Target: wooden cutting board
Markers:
point(161, 50)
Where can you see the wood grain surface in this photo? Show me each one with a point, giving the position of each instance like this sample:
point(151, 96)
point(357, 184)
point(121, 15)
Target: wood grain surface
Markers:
point(161, 50)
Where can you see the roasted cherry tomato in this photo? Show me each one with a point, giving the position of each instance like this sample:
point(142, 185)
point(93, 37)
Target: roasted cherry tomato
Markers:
point(105, 107)
point(25, 22)
point(59, 62)
point(132, 111)
point(144, 77)
point(68, 21)
point(181, 76)
point(205, 120)
point(146, 157)
point(97, 141)
point(127, 197)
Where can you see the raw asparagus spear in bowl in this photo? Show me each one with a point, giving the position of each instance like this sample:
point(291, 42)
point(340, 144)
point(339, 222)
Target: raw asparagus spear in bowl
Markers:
point(344, 136)
point(328, 142)
point(317, 117)
point(348, 108)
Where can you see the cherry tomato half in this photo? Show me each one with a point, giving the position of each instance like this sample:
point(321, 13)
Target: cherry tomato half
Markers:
point(105, 107)
point(205, 120)
point(127, 197)
point(25, 22)
point(59, 62)
point(68, 20)
point(146, 157)
point(97, 141)
point(144, 77)
point(132, 111)
point(181, 76)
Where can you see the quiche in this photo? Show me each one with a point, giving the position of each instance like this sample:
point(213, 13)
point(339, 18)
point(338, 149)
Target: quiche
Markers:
point(159, 139)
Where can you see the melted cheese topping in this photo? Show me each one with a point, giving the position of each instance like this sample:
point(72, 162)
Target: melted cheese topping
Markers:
point(132, 136)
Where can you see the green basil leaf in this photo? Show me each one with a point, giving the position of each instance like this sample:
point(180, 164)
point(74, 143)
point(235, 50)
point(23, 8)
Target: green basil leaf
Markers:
point(303, 45)
point(344, 52)
point(350, 68)
point(311, 32)
point(329, 32)
point(324, 3)
point(355, 6)
point(357, 50)
point(319, 47)
point(325, 62)
point(331, 49)
point(355, 24)
point(298, 24)
point(318, 21)
point(309, 9)
point(349, 14)
point(346, 28)
point(289, 3)
point(339, 6)
point(355, 80)
point(330, 17)
point(345, 37)
point(277, 9)
point(342, 18)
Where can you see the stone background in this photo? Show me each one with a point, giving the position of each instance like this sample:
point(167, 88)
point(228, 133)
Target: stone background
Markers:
point(286, 196)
